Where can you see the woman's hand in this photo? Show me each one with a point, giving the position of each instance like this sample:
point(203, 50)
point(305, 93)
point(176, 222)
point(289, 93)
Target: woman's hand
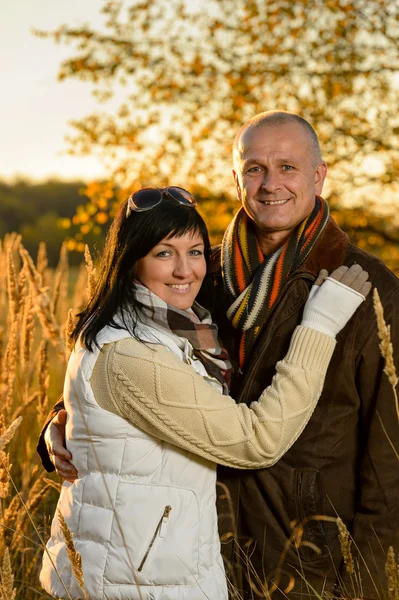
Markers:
point(334, 299)
point(353, 277)
point(54, 438)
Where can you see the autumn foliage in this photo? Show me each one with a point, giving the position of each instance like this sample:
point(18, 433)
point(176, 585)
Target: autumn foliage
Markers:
point(175, 79)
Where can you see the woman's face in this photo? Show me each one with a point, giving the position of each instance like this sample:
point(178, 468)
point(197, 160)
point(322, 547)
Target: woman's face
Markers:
point(174, 269)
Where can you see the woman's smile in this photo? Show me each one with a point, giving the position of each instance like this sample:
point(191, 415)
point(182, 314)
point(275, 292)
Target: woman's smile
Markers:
point(182, 287)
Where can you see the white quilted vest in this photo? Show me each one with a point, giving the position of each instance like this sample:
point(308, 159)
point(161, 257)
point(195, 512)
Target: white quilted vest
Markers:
point(142, 512)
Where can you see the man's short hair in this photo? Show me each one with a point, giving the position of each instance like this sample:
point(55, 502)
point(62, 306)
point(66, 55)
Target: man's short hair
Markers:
point(277, 117)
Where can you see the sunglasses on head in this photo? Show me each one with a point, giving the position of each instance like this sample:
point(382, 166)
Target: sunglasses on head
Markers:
point(149, 198)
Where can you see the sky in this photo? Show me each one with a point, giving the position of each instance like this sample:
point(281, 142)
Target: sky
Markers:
point(34, 107)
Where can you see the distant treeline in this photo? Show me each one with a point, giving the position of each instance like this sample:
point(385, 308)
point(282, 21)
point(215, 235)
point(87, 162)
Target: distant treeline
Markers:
point(35, 210)
point(42, 211)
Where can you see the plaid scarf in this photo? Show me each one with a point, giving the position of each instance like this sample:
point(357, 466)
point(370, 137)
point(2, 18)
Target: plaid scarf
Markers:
point(194, 325)
point(253, 281)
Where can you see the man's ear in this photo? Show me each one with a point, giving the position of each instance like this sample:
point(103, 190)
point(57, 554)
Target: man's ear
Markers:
point(319, 177)
point(238, 187)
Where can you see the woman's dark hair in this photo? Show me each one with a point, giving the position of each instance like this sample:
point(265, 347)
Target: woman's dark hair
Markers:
point(129, 239)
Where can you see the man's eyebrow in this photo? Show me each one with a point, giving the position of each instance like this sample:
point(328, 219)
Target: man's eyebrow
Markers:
point(287, 159)
point(250, 159)
point(283, 159)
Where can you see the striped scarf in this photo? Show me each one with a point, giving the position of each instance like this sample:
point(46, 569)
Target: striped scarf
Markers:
point(253, 281)
point(194, 325)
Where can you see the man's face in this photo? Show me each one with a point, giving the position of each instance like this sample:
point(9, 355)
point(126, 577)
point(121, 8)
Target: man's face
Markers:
point(278, 177)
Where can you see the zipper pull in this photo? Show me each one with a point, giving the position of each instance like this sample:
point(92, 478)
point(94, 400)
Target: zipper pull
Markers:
point(164, 518)
point(164, 521)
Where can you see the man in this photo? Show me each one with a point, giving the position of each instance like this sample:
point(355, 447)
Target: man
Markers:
point(343, 463)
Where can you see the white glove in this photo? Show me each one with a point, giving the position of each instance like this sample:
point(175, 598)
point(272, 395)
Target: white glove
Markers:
point(330, 306)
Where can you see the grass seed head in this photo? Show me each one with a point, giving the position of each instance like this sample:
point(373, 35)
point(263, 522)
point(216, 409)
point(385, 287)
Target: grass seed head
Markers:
point(44, 383)
point(5, 468)
point(7, 436)
point(91, 274)
point(12, 287)
point(384, 334)
point(7, 590)
point(73, 555)
point(345, 542)
point(42, 260)
point(392, 573)
point(27, 330)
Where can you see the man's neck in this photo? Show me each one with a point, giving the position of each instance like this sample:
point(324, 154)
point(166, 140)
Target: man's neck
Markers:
point(271, 241)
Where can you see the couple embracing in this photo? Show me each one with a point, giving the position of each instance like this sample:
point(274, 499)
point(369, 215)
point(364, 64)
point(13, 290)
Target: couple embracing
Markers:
point(286, 395)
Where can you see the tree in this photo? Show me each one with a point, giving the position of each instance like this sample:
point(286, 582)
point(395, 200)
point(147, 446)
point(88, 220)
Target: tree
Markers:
point(189, 73)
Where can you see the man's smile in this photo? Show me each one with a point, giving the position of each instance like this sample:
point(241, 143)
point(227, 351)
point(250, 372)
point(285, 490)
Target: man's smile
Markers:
point(273, 202)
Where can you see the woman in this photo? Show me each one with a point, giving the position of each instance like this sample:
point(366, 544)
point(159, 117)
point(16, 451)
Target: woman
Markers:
point(147, 367)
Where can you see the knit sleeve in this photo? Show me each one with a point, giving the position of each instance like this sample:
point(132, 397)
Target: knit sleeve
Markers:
point(153, 389)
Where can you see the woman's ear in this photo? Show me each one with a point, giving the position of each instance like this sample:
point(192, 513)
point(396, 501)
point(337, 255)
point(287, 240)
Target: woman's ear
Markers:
point(134, 272)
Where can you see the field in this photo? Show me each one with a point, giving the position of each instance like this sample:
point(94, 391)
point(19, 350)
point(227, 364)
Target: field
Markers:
point(37, 306)
point(34, 309)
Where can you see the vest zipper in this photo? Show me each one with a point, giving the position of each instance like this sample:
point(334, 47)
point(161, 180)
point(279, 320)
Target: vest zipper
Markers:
point(161, 521)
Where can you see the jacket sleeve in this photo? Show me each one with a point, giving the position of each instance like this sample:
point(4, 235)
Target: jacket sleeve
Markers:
point(41, 446)
point(375, 526)
point(165, 397)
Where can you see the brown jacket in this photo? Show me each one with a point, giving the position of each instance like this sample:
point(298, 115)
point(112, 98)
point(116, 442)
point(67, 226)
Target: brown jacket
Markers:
point(342, 464)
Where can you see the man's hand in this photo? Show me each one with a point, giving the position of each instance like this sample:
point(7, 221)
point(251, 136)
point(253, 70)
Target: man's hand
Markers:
point(55, 444)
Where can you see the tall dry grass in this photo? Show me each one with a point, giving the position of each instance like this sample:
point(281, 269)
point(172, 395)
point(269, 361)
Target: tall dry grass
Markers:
point(37, 308)
point(37, 312)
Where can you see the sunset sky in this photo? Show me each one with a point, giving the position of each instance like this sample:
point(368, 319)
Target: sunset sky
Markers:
point(34, 107)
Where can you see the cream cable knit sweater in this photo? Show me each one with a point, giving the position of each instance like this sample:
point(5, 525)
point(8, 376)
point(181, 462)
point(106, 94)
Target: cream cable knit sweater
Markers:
point(156, 391)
